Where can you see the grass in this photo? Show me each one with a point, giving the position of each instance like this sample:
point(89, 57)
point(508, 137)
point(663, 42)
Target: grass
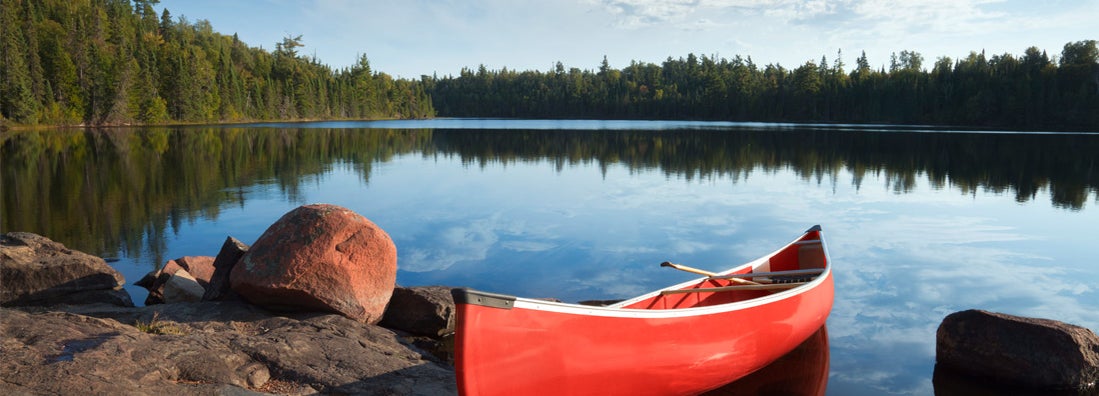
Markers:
point(161, 327)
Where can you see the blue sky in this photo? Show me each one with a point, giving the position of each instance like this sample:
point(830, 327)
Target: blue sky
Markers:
point(409, 38)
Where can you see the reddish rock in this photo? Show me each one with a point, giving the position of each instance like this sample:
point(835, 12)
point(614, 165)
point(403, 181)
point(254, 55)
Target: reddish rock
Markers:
point(154, 282)
point(320, 257)
point(197, 269)
point(200, 267)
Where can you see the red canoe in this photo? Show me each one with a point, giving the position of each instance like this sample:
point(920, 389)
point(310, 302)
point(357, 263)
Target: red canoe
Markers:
point(683, 339)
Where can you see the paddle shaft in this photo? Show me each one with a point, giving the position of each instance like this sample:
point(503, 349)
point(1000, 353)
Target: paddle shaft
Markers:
point(682, 267)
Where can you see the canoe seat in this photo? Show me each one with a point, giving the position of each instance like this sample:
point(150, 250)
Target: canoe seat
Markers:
point(792, 279)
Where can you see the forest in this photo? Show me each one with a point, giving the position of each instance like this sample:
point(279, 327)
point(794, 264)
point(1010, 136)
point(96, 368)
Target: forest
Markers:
point(1030, 91)
point(113, 62)
point(117, 62)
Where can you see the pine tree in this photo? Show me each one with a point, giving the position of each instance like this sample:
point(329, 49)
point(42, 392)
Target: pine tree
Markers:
point(17, 99)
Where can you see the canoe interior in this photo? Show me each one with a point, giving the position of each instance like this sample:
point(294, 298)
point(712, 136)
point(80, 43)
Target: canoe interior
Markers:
point(805, 253)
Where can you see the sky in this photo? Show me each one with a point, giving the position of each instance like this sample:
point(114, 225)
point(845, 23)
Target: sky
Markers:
point(410, 38)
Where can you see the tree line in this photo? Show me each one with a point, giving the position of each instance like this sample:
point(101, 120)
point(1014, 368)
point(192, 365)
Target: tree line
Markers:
point(98, 62)
point(101, 62)
point(1033, 90)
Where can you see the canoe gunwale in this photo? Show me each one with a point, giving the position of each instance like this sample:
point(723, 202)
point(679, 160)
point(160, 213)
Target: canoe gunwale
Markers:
point(617, 310)
point(486, 299)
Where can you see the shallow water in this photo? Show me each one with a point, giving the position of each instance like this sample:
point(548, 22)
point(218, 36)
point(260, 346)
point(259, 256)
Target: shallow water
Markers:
point(920, 222)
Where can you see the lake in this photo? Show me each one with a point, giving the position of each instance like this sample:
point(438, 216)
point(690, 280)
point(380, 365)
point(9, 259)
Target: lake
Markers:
point(920, 221)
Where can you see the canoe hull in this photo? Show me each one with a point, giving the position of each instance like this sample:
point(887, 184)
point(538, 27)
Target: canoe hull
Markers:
point(507, 345)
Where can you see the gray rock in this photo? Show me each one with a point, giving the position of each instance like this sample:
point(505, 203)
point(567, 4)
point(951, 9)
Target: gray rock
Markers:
point(182, 287)
point(231, 252)
point(1035, 353)
point(427, 310)
point(207, 348)
point(38, 271)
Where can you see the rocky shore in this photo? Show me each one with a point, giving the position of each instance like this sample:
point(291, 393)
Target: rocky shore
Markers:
point(300, 316)
point(208, 348)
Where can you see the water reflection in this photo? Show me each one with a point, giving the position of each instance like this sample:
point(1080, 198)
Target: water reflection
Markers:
point(103, 190)
point(802, 372)
point(920, 223)
point(950, 383)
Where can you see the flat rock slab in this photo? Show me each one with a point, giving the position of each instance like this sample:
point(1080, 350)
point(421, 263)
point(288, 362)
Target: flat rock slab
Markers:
point(207, 348)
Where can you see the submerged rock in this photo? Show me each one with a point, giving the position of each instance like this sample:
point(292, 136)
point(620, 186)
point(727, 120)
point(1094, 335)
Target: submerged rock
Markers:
point(1035, 353)
point(320, 257)
point(38, 271)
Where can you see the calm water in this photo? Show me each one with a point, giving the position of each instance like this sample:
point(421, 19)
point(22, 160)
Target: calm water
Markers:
point(920, 222)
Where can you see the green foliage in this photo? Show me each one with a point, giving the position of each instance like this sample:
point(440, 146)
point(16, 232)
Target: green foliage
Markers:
point(17, 100)
point(113, 62)
point(1031, 91)
point(116, 62)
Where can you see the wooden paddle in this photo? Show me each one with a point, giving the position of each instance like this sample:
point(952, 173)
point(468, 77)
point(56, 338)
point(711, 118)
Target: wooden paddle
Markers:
point(682, 267)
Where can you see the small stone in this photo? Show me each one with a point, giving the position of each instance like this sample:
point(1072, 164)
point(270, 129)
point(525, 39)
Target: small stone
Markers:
point(182, 287)
point(196, 272)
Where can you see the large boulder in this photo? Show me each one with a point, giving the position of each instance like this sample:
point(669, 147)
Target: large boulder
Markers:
point(1035, 353)
point(320, 257)
point(38, 271)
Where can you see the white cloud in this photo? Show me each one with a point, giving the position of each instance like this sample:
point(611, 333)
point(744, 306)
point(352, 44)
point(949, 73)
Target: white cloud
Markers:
point(449, 246)
point(614, 283)
point(445, 36)
point(639, 13)
point(527, 246)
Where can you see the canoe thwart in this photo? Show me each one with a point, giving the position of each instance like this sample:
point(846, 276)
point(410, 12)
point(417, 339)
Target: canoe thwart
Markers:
point(731, 288)
point(811, 271)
